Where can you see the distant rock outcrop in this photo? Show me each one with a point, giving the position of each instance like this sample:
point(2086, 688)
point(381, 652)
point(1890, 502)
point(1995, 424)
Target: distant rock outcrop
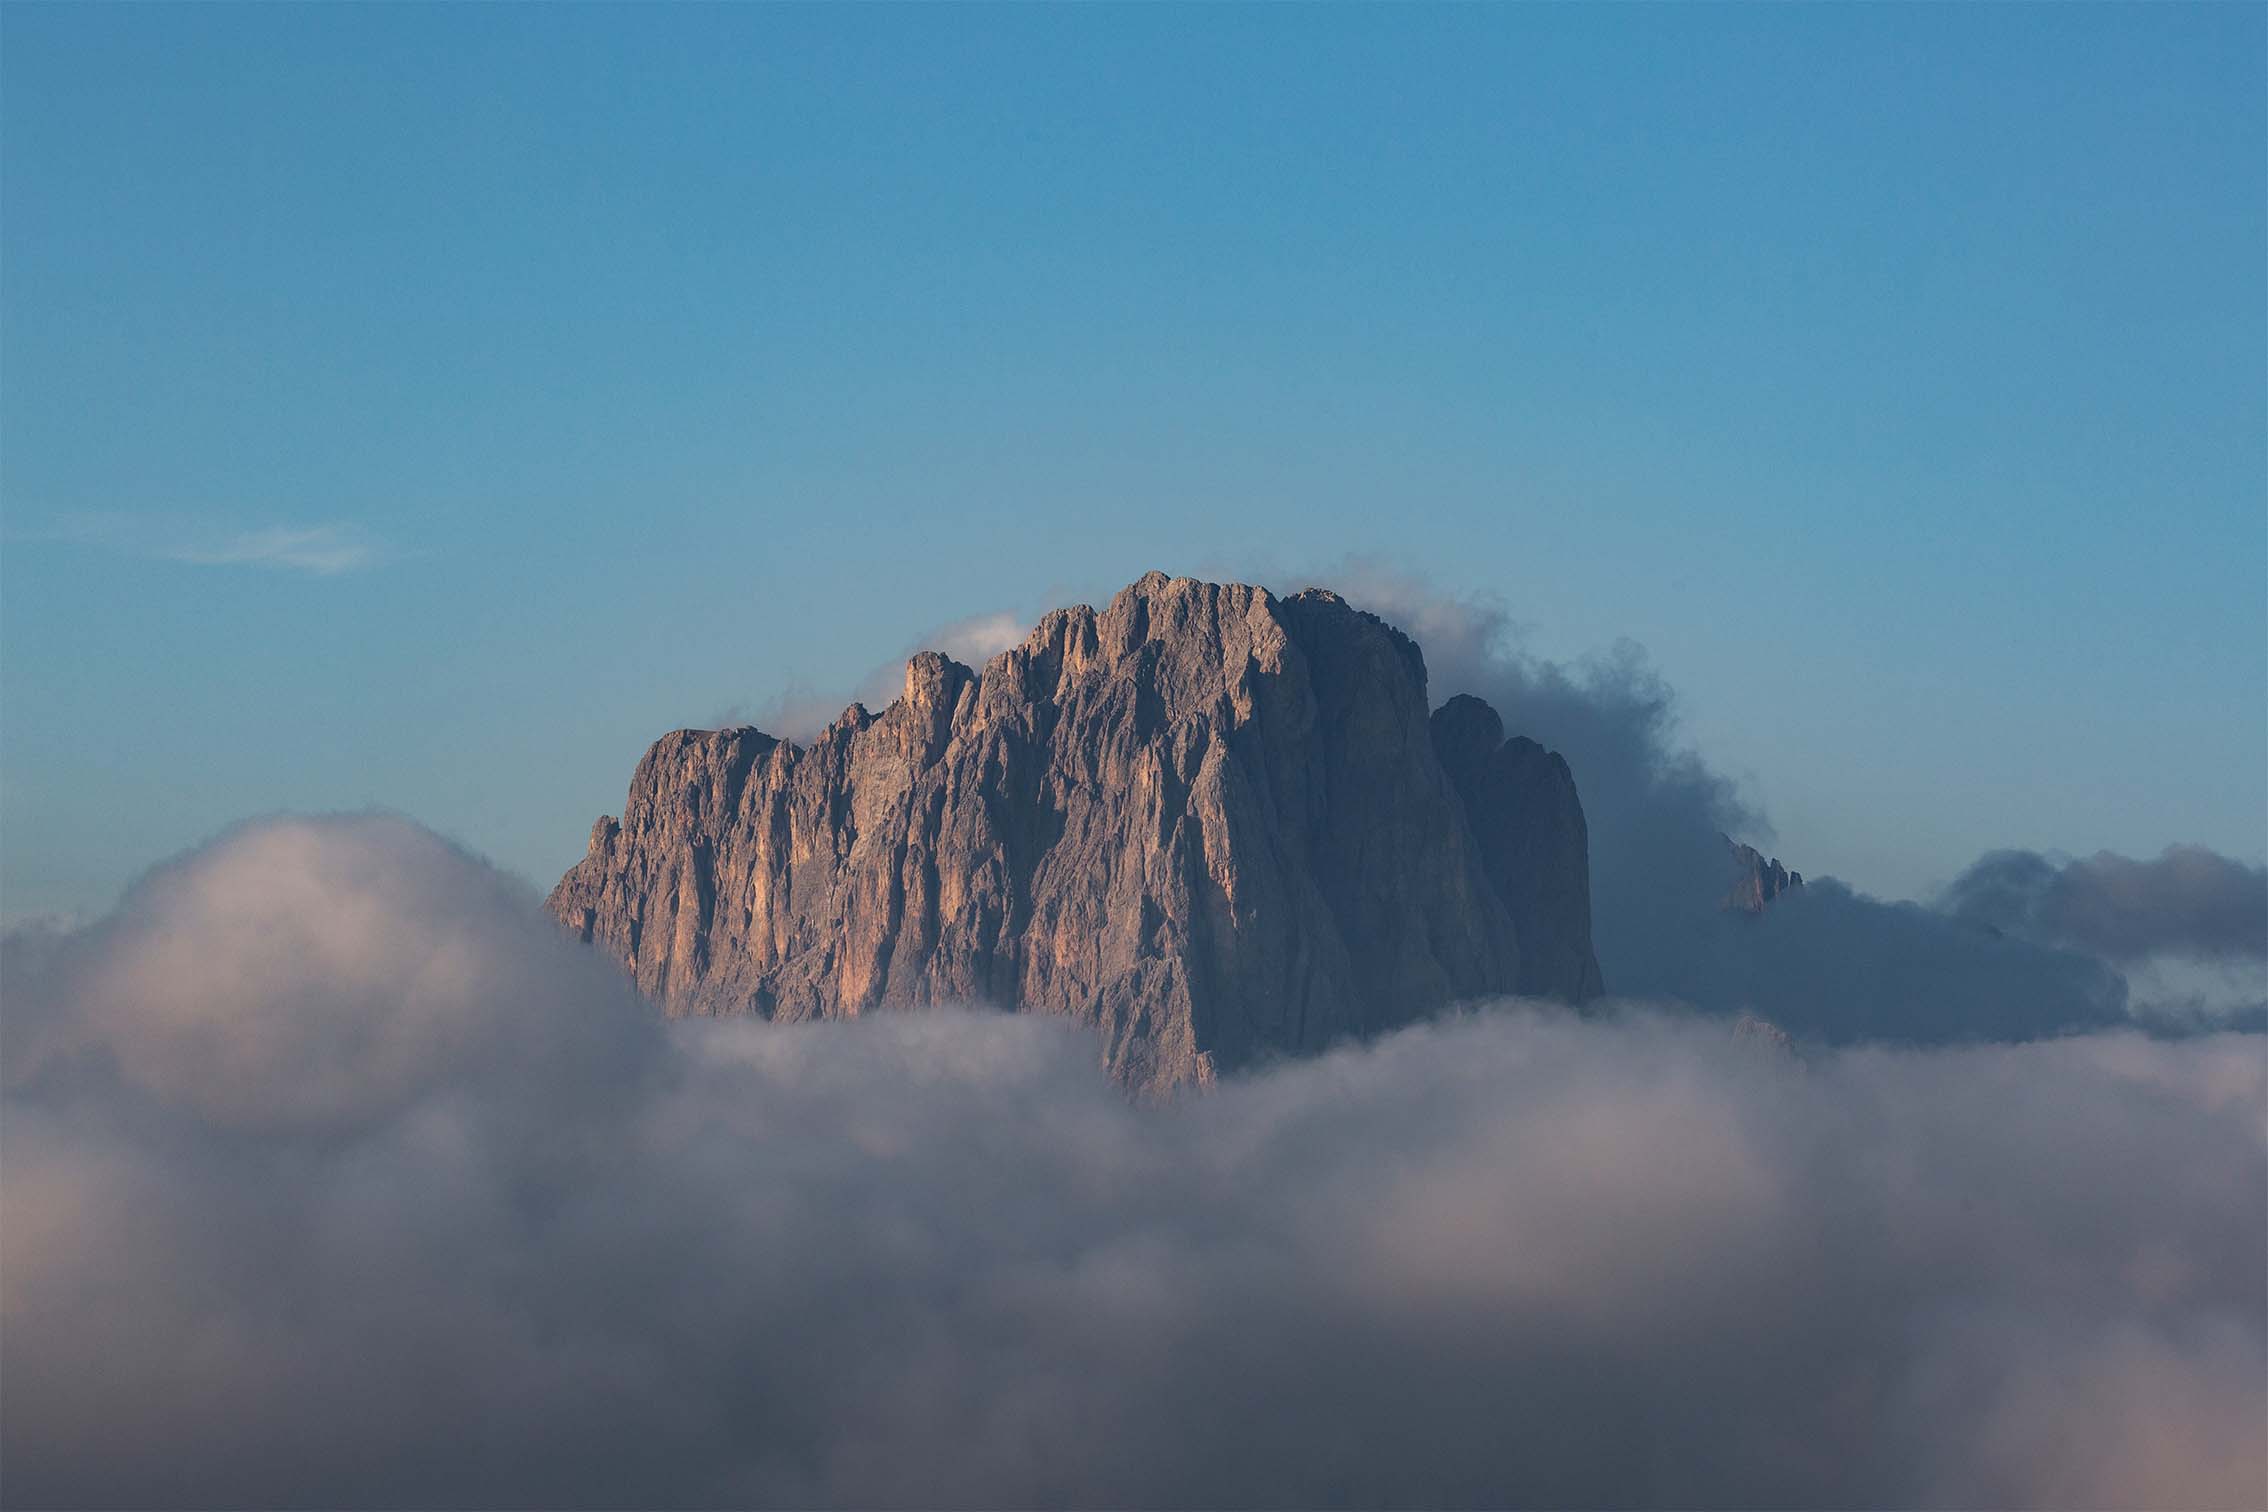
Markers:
point(1215, 824)
point(1756, 881)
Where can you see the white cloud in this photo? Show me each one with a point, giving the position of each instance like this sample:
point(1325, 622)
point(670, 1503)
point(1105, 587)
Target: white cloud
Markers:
point(800, 712)
point(979, 638)
point(332, 1172)
point(319, 549)
point(322, 550)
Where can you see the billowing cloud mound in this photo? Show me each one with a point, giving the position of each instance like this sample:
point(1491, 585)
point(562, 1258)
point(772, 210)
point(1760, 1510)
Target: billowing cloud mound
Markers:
point(310, 976)
point(333, 1176)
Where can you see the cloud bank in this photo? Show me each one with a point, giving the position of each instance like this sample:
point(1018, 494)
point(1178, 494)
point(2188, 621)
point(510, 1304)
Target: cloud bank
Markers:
point(334, 1176)
point(2189, 901)
point(2021, 946)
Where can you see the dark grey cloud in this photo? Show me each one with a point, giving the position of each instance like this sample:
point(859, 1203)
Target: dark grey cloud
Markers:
point(1828, 961)
point(2189, 901)
point(1833, 963)
point(2174, 994)
point(333, 1176)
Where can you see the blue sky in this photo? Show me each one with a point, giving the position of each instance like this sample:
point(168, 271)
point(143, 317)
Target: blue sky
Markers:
point(427, 406)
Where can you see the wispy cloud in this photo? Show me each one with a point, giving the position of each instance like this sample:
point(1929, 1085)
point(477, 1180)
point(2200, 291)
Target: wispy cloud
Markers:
point(321, 550)
point(801, 711)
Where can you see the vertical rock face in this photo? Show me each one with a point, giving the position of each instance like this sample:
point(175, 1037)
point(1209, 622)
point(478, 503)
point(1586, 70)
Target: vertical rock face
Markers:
point(1756, 881)
point(1520, 801)
point(1215, 824)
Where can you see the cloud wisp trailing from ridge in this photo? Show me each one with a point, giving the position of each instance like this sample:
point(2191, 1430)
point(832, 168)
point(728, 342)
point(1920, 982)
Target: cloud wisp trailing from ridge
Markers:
point(336, 1176)
point(800, 712)
point(2021, 947)
point(320, 550)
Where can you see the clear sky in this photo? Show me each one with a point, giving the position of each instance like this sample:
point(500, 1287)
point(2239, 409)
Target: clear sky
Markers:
point(426, 406)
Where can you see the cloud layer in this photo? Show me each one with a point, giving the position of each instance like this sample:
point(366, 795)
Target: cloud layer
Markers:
point(334, 1176)
point(2189, 901)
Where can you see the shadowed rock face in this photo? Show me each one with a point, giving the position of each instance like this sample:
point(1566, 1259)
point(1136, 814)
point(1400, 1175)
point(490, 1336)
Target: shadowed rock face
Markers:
point(1756, 881)
point(1520, 803)
point(1215, 824)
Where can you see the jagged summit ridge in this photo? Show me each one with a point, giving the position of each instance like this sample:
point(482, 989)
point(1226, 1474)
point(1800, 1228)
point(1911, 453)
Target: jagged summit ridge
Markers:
point(1755, 880)
point(1216, 824)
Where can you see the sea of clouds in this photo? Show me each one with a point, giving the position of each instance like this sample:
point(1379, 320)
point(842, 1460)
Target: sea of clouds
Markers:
point(334, 1175)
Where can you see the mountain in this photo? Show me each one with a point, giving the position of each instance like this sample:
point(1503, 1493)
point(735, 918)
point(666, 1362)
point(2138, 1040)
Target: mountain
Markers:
point(1756, 881)
point(1215, 824)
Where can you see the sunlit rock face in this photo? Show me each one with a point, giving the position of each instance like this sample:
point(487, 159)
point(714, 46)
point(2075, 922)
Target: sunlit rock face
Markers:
point(1215, 824)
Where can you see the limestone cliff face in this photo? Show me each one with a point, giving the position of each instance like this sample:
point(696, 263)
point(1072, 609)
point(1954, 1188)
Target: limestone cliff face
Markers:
point(1215, 824)
point(1520, 802)
point(1756, 881)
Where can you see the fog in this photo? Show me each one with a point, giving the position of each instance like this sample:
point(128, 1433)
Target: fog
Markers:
point(333, 1175)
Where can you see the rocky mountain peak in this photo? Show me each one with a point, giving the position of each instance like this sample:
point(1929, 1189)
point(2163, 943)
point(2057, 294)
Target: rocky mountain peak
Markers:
point(1216, 824)
point(1756, 881)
